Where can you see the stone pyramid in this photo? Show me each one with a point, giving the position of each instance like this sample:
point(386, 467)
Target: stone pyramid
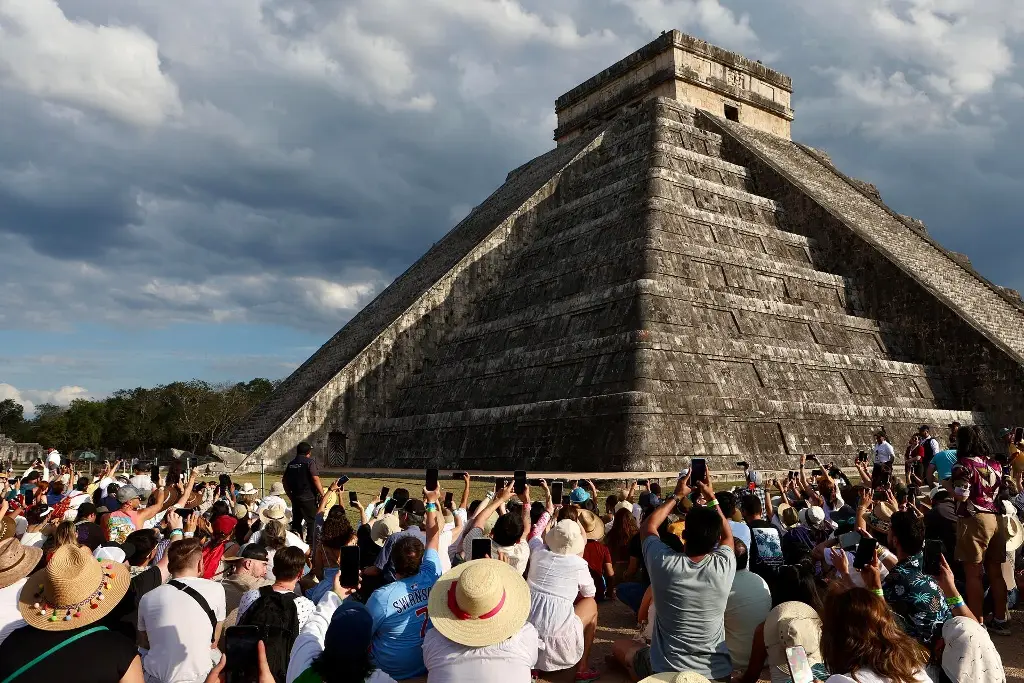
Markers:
point(676, 278)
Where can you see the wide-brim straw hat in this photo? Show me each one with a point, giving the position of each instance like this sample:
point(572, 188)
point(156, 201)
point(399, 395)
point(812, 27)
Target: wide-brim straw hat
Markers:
point(881, 514)
point(592, 525)
point(74, 590)
point(566, 538)
point(8, 528)
point(788, 625)
point(16, 560)
point(479, 603)
point(247, 489)
point(1014, 530)
point(276, 489)
point(673, 677)
point(275, 513)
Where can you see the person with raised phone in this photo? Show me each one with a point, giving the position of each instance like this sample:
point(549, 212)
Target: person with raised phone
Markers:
point(690, 589)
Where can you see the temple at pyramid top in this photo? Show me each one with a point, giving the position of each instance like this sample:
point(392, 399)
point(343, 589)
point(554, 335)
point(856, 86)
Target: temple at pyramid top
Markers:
point(686, 69)
point(675, 278)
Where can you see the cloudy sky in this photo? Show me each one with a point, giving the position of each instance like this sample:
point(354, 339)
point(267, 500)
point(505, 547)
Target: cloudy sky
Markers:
point(210, 189)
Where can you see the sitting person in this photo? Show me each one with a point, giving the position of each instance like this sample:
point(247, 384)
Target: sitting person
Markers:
point(596, 554)
point(558, 574)
point(690, 593)
point(750, 600)
point(480, 628)
point(509, 533)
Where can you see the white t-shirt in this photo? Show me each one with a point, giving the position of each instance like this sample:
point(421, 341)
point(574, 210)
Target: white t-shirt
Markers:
point(884, 452)
point(518, 554)
point(741, 531)
point(180, 632)
point(33, 538)
point(10, 617)
point(509, 661)
point(289, 537)
point(53, 460)
point(869, 676)
point(142, 482)
point(104, 483)
point(749, 603)
point(303, 606)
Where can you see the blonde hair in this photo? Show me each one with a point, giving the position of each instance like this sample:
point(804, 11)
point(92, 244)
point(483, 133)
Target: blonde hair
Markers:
point(274, 535)
point(66, 534)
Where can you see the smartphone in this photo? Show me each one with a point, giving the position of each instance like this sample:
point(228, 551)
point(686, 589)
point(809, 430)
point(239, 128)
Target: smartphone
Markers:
point(353, 498)
point(865, 553)
point(742, 463)
point(342, 480)
point(458, 475)
point(556, 490)
point(799, 667)
point(154, 472)
point(431, 480)
point(242, 654)
point(448, 498)
point(932, 557)
point(1018, 434)
point(912, 494)
point(481, 548)
point(817, 473)
point(384, 491)
point(349, 566)
point(499, 484)
point(862, 456)
point(519, 482)
point(698, 470)
point(639, 482)
point(849, 540)
point(390, 506)
point(566, 501)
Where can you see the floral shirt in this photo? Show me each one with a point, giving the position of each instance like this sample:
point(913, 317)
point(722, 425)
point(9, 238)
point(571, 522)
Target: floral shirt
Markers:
point(917, 600)
point(982, 478)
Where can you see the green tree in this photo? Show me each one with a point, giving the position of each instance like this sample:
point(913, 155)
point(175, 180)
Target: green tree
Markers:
point(12, 419)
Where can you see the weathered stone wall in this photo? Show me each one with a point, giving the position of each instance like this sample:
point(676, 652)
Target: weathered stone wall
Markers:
point(11, 451)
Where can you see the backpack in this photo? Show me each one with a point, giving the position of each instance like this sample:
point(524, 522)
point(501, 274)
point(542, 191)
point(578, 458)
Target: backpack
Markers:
point(278, 619)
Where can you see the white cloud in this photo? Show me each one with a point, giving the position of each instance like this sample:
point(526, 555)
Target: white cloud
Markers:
point(705, 18)
point(108, 68)
point(30, 398)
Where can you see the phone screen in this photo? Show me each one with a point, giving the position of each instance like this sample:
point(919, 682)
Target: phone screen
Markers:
point(390, 506)
point(481, 548)
point(932, 555)
point(556, 490)
point(698, 470)
point(458, 475)
point(353, 498)
point(816, 473)
point(448, 497)
point(799, 667)
point(865, 553)
point(349, 566)
point(431, 480)
point(342, 480)
point(519, 477)
point(566, 501)
point(384, 491)
point(241, 652)
point(849, 541)
point(499, 484)
point(154, 472)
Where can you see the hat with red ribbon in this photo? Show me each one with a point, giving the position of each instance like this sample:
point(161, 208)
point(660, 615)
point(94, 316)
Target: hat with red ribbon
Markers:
point(479, 603)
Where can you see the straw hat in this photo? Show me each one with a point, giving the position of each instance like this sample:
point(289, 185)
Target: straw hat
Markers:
point(788, 625)
point(8, 527)
point(881, 513)
point(383, 528)
point(275, 513)
point(1013, 528)
point(276, 489)
point(789, 516)
point(247, 489)
point(241, 511)
point(566, 538)
point(684, 677)
point(74, 590)
point(16, 560)
point(480, 603)
point(592, 525)
point(623, 505)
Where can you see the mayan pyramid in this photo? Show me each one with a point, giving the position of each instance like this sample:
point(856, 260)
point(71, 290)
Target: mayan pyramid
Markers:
point(675, 278)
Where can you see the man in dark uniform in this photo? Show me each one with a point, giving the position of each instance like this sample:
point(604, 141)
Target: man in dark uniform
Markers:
point(302, 484)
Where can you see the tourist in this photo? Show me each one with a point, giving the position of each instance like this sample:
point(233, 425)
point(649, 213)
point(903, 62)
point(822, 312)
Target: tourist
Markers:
point(288, 567)
point(558, 578)
point(510, 531)
point(912, 459)
point(334, 643)
point(273, 497)
point(302, 484)
point(141, 480)
point(65, 636)
point(800, 539)
point(399, 609)
point(1014, 450)
point(941, 467)
point(335, 534)
point(596, 554)
point(793, 623)
point(624, 528)
point(750, 601)
point(16, 562)
point(130, 515)
point(246, 571)
point(727, 504)
point(180, 622)
point(480, 632)
point(976, 481)
point(862, 643)
point(220, 544)
point(690, 589)
point(930, 446)
point(412, 523)
point(90, 534)
point(765, 548)
point(969, 655)
point(55, 493)
point(38, 529)
point(277, 514)
point(884, 452)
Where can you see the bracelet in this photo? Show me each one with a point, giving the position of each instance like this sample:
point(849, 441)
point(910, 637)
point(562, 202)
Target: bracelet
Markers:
point(879, 592)
point(954, 602)
point(177, 531)
point(189, 534)
point(430, 507)
point(713, 503)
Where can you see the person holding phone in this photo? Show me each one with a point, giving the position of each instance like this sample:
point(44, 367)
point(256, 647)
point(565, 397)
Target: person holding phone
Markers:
point(509, 532)
point(690, 591)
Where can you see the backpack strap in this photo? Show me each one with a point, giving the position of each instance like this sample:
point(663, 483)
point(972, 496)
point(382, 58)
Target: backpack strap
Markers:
point(55, 648)
point(198, 597)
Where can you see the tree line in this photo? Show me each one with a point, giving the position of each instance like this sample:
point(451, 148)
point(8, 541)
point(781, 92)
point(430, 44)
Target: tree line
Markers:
point(185, 415)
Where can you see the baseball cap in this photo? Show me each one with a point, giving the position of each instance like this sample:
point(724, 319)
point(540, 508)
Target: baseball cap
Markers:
point(84, 510)
point(127, 493)
point(251, 551)
point(350, 632)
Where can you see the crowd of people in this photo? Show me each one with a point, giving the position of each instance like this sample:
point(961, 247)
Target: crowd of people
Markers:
point(889, 577)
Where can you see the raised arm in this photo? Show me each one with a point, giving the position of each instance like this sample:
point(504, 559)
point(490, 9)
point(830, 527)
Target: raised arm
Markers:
point(549, 505)
point(433, 530)
point(464, 503)
point(525, 498)
point(662, 512)
point(491, 507)
point(708, 491)
point(769, 509)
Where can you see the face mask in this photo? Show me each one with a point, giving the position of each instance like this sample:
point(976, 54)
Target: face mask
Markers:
point(962, 491)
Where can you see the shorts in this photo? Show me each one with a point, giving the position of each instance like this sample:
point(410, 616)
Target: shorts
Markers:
point(978, 539)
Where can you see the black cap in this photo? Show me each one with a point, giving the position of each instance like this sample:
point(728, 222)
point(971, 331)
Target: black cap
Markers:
point(414, 506)
point(84, 510)
point(251, 551)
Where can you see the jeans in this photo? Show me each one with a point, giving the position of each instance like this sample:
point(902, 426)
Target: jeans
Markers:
point(631, 594)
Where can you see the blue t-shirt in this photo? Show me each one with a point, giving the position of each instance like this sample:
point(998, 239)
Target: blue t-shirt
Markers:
point(399, 612)
point(944, 461)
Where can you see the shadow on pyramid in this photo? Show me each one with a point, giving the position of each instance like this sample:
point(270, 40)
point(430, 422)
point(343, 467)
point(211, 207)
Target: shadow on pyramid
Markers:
point(676, 278)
